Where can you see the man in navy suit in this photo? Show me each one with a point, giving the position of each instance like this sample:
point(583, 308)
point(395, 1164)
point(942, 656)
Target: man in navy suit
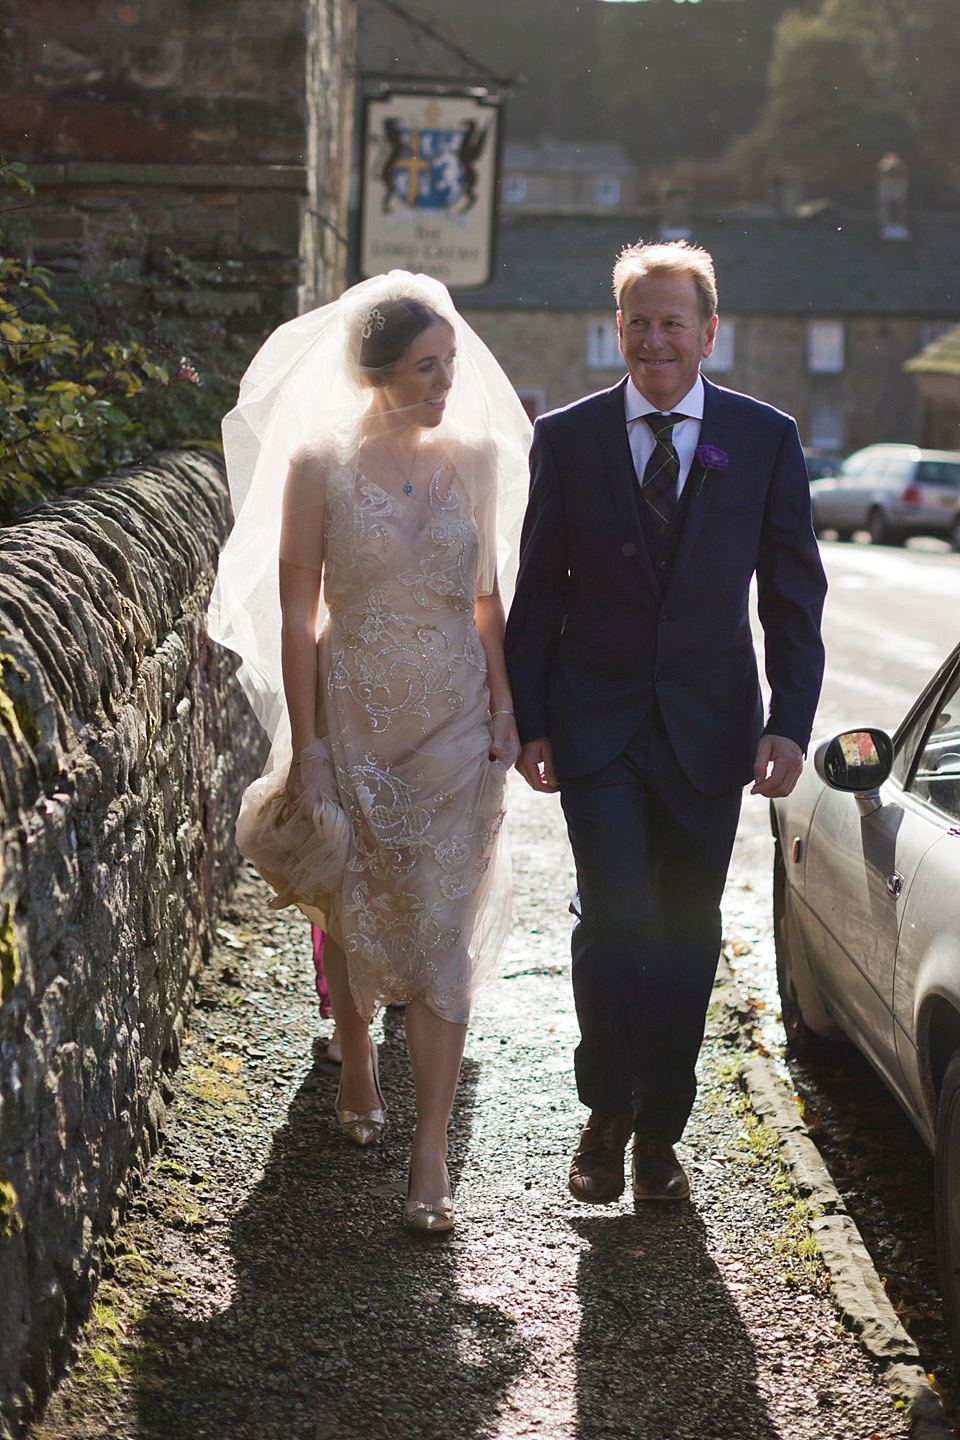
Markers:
point(652, 507)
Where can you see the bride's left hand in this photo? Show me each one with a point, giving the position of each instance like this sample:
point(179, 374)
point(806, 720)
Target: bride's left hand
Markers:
point(505, 745)
point(294, 787)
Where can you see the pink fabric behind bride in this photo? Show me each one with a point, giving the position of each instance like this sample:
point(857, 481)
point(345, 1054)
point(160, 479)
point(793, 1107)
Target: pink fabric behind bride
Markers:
point(318, 939)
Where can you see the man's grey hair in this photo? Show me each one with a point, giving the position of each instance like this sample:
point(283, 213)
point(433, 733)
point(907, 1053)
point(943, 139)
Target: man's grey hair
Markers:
point(672, 257)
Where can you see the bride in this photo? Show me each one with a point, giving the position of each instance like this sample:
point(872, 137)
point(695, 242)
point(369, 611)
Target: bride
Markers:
point(364, 596)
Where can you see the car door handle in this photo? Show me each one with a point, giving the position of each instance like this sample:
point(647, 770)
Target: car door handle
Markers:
point(895, 883)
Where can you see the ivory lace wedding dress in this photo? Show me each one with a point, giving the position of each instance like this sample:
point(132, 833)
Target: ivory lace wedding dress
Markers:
point(396, 847)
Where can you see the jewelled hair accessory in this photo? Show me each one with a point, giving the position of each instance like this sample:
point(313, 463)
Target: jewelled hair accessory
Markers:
point(373, 320)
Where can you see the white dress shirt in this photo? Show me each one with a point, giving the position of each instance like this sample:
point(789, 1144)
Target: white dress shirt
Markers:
point(686, 432)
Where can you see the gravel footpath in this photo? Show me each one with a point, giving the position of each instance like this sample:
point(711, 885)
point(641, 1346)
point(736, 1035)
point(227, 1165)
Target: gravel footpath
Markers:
point(262, 1288)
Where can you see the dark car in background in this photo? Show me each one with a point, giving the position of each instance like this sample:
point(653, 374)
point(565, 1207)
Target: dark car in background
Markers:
point(820, 463)
point(892, 492)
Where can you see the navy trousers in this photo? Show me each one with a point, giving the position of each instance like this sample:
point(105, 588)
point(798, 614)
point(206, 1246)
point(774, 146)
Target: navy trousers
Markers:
point(651, 855)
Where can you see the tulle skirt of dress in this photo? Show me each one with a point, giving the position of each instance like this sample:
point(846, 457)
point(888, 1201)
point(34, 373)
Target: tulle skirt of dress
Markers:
point(433, 931)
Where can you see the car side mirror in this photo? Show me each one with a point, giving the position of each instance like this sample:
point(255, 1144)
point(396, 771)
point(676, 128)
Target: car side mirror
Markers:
point(858, 761)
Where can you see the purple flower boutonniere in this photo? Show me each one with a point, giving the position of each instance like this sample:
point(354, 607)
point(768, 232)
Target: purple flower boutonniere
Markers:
point(711, 459)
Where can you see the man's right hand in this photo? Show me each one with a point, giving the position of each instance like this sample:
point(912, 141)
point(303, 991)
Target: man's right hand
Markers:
point(536, 766)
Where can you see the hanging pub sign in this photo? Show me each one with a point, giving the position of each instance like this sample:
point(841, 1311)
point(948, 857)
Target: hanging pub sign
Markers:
point(429, 182)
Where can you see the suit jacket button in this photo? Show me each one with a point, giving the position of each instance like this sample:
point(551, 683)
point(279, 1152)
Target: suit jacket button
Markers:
point(628, 549)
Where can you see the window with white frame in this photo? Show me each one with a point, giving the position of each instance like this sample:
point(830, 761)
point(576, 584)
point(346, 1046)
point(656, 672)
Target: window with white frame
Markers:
point(826, 426)
point(515, 188)
point(606, 189)
point(722, 356)
point(603, 345)
point(824, 347)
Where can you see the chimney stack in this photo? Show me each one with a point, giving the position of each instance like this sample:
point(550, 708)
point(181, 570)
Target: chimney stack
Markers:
point(892, 188)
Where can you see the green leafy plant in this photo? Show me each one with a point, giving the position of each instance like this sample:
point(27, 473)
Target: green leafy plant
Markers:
point(83, 390)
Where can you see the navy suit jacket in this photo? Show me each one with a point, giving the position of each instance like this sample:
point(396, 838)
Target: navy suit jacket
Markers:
point(595, 635)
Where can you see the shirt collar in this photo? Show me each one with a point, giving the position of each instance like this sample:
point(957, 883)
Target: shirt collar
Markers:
point(638, 405)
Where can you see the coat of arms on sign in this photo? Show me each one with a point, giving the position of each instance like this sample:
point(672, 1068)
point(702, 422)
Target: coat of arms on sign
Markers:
point(429, 166)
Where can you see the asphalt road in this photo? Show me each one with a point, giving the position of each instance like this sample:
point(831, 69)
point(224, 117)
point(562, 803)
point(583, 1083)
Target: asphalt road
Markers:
point(891, 618)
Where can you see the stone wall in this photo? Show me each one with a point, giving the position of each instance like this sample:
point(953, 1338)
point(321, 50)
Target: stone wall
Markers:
point(218, 132)
point(125, 743)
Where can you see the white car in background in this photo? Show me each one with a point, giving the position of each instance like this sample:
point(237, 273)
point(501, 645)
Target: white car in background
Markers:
point(892, 492)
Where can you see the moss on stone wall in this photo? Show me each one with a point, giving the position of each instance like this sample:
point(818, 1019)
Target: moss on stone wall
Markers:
point(9, 953)
point(15, 712)
point(8, 716)
point(11, 1222)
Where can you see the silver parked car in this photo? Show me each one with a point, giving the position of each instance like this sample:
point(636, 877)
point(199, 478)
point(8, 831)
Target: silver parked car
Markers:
point(867, 922)
point(893, 492)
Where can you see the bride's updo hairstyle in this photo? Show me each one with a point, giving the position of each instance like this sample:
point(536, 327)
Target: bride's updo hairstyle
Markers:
point(385, 332)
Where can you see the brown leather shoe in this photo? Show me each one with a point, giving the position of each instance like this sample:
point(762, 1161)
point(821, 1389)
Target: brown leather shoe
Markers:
point(596, 1170)
point(657, 1173)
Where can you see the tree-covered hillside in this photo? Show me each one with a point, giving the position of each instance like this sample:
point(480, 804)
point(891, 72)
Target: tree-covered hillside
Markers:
point(852, 80)
point(667, 79)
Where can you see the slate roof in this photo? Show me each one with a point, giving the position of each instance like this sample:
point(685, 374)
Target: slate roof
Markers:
point(566, 157)
point(828, 263)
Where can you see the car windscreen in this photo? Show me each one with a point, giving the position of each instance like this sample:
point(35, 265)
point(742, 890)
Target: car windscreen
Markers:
point(853, 465)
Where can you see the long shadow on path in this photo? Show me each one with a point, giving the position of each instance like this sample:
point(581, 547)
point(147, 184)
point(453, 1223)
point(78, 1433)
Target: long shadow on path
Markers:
point(341, 1324)
point(663, 1353)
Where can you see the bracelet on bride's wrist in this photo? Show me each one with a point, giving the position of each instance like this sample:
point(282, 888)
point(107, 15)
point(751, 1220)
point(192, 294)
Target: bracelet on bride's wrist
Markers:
point(495, 713)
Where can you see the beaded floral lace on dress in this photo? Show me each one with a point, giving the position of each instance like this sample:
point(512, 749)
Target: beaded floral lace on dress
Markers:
point(415, 884)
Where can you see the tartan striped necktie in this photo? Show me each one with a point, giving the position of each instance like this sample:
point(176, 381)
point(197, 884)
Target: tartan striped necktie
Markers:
point(659, 484)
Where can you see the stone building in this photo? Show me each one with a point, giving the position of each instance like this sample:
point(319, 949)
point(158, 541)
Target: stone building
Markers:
point(567, 175)
point(819, 307)
point(216, 134)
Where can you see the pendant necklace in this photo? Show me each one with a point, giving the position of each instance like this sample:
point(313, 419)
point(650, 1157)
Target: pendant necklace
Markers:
point(408, 476)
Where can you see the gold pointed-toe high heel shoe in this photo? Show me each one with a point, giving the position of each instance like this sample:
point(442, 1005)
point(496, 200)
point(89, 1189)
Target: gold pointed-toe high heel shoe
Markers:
point(363, 1127)
point(428, 1217)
